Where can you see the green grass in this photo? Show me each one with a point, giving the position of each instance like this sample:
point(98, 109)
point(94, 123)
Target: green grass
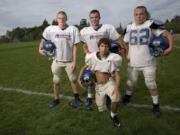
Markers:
point(22, 67)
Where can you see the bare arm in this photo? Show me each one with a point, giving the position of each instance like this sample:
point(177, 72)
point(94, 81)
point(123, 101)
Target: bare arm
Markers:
point(126, 50)
point(169, 37)
point(85, 48)
point(74, 56)
point(41, 51)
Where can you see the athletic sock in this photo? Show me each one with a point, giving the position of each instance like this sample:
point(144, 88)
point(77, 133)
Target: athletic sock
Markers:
point(155, 99)
point(129, 92)
point(113, 114)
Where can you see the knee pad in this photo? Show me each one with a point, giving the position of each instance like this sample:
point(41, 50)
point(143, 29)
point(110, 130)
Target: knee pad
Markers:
point(73, 78)
point(56, 79)
point(115, 98)
point(102, 108)
point(131, 83)
point(151, 84)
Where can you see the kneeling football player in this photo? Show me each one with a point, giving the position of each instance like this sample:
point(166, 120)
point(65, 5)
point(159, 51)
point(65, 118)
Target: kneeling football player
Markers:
point(106, 67)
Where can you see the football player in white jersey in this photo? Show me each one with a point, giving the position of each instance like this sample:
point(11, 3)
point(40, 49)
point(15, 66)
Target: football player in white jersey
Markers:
point(106, 67)
point(65, 39)
point(137, 37)
point(91, 35)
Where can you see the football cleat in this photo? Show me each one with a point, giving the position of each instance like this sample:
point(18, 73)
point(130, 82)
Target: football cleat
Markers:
point(126, 99)
point(157, 45)
point(75, 103)
point(54, 104)
point(156, 110)
point(115, 121)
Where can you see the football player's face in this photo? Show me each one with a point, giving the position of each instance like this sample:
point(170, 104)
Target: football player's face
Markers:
point(139, 16)
point(104, 49)
point(94, 19)
point(61, 19)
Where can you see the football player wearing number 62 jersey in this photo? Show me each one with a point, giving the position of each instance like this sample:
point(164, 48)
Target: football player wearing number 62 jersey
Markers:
point(137, 37)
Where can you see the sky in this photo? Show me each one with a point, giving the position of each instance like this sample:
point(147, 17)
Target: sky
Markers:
point(30, 13)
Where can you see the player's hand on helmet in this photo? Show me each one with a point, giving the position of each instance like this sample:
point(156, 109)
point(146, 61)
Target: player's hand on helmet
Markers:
point(43, 52)
point(122, 51)
point(81, 83)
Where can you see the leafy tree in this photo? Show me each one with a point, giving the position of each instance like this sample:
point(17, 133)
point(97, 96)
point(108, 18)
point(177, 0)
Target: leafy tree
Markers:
point(120, 29)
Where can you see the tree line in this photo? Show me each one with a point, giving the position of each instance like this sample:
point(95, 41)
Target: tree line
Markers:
point(34, 33)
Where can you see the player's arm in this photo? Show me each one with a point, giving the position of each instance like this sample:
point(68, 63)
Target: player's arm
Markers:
point(41, 51)
point(125, 50)
point(74, 56)
point(169, 37)
point(85, 48)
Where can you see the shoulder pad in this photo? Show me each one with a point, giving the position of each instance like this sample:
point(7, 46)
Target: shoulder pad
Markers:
point(115, 57)
point(157, 24)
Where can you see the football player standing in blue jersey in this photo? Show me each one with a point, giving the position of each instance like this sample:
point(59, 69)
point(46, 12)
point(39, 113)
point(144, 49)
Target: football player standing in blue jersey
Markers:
point(137, 37)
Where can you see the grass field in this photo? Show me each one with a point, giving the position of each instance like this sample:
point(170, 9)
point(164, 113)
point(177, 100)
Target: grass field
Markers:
point(21, 114)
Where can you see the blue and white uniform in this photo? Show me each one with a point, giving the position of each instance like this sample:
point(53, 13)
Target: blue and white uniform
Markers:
point(110, 65)
point(91, 37)
point(140, 59)
point(64, 40)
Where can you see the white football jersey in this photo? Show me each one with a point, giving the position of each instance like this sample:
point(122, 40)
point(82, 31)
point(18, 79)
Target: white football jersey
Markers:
point(138, 38)
point(91, 36)
point(109, 65)
point(63, 39)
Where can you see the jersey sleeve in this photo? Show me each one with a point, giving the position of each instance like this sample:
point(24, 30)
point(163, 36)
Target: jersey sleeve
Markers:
point(46, 33)
point(82, 37)
point(117, 63)
point(76, 35)
point(113, 34)
point(127, 34)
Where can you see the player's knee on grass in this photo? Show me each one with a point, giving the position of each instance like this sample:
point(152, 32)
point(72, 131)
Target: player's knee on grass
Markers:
point(101, 102)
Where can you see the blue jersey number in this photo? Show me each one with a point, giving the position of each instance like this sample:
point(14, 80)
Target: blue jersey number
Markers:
point(143, 37)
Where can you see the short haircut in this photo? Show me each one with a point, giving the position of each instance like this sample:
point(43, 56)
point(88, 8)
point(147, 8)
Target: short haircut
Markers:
point(63, 13)
point(94, 11)
point(104, 41)
point(148, 16)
